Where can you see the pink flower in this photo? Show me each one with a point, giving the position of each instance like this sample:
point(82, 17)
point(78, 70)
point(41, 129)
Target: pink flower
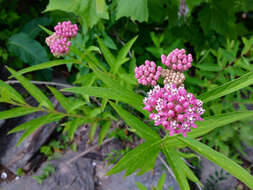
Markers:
point(60, 41)
point(173, 108)
point(177, 60)
point(66, 29)
point(58, 45)
point(148, 73)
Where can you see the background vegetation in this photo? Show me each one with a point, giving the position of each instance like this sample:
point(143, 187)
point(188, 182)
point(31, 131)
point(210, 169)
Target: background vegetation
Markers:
point(218, 33)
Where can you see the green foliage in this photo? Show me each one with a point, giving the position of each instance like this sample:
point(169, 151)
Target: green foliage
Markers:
point(34, 91)
point(20, 172)
point(228, 88)
point(114, 156)
point(159, 184)
point(213, 180)
point(106, 90)
point(47, 171)
point(220, 160)
point(29, 50)
point(142, 157)
point(136, 10)
point(90, 11)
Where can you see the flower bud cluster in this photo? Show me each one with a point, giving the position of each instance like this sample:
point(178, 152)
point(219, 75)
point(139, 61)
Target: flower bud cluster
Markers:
point(148, 73)
point(172, 77)
point(58, 45)
point(66, 29)
point(60, 41)
point(177, 60)
point(173, 108)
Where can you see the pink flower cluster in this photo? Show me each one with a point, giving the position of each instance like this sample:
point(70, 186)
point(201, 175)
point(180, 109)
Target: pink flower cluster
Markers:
point(177, 60)
point(58, 45)
point(60, 41)
point(66, 29)
point(173, 108)
point(148, 74)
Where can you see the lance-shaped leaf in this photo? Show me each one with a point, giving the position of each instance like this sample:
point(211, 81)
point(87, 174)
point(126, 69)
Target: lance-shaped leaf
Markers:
point(121, 58)
point(140, 128)
point(143, 157)
point(209, 124)
point(109, 93)
point(45, 65)
point(104, 130)
point(16, 112)
point(161, 182)
point(221, 160)
point(110, 59)
point(34, 91)
point(34, 124)
point(10, 92)
point(141, 186)
point(116, 86)
point(228, 88)
point(72, 125)
point(61, 99)
point(176, 165)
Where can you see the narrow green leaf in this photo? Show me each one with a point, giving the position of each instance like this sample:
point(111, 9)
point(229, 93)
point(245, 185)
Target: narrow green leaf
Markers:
point(34, 91)
point(37, 121)
point(143, 157)
point(189, 174)
point(44, 65)
point(175, 163)
point(34, 124)
point(115, 85)
point(16, 112)
point(61, 99)
point(49, 32)
point(90, 58)
point(161, 182)
point(12, 93)
point(76, 104)
point(209, 124)
point(73, 125)
point(141, 128)
point(122, 55)
point(110, 93)
point(141, 186)
point(92, 131)
point(111, 60)
point(228, 88)
point(104, 130)
point(221, 160)
point(214, 122)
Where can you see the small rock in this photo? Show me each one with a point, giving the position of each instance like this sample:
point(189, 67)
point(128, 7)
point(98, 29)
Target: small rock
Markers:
point(4, 175)
point(76, 176)
point(148, 179)
point(249, 152)
point(14, 157)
